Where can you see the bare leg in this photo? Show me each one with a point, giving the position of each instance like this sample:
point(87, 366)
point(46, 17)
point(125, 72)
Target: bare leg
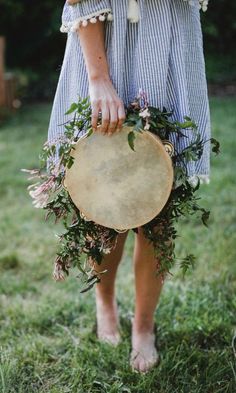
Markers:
point(106, 306)
point(148, 287)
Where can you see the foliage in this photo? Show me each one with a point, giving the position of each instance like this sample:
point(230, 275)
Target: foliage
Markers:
point(37, 53)
point(85, 237)
point(219, 27)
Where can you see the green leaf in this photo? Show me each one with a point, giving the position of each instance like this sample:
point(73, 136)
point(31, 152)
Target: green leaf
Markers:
point(187, 262)
point(187, 118)
point(205, 216)
point(72, 108)
point(84, 100)
point(139, 125)
point(186, 124)
point(92, 280)
point(216, 145)
point(133, 117)
point(70, 162)
point(88, 288)
point(89, 132)
point(131, 138)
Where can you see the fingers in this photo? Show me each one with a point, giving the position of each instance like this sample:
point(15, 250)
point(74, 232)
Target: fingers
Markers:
point(105, 118)
point(121, 116)
point(113, 116)
point(95, 111)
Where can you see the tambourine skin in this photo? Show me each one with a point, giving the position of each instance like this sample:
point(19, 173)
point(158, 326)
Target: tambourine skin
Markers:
point(115, 186)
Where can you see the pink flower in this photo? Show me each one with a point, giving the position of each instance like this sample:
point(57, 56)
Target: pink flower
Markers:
point(145, 113)
point(147, 127)
point(42, 192)
point(107, 250)
point(35, 173)
point(58, 273)
point(142, 96)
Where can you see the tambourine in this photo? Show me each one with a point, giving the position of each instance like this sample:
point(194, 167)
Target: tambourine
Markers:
point(118, 187)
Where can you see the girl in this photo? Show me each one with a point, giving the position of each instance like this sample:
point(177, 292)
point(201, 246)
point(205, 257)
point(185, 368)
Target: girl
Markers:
point(113, 49)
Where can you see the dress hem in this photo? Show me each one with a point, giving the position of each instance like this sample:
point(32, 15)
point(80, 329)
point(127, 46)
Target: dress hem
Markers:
point(203, 178)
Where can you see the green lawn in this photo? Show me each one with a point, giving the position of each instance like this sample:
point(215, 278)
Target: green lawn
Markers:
point(47, 337)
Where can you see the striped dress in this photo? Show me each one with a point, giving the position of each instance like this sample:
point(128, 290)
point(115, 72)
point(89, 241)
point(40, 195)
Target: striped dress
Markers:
point(162, 54)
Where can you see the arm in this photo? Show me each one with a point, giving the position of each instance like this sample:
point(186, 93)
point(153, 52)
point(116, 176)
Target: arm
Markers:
point(103, 95)
point(93, 47)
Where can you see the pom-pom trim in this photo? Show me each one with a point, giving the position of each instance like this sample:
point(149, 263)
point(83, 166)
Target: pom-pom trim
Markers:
point(202, 4)
point(204, 179)
point(101, 15)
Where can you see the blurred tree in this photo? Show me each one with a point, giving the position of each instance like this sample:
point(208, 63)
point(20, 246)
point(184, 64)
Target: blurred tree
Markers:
point(34, 42)
point(219, 26)
point(31, 30)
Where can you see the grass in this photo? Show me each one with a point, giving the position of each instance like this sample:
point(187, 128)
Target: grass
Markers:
point(47, 335)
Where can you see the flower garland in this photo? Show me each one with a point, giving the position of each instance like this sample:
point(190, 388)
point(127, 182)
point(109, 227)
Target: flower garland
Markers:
point(85, 242)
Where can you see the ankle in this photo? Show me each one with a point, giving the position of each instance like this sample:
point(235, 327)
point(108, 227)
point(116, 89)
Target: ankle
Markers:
point(106, 306)
point(142, 326)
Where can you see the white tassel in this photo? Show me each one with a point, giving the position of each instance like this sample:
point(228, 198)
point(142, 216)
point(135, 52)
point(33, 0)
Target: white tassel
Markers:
point(133, 11)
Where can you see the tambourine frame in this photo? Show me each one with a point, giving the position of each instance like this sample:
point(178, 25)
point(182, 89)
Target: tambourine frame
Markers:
point(167, 151)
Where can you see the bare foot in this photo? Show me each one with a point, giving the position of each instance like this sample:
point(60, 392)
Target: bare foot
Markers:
point(144, 354)
point(107, 322)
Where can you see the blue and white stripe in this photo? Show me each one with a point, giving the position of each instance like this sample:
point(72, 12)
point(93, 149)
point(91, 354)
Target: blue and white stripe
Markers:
point(162, 54)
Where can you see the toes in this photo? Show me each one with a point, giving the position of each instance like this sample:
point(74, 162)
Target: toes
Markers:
point(141, 364)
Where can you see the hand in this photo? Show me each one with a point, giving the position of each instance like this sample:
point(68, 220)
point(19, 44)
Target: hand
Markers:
point(104, 99)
